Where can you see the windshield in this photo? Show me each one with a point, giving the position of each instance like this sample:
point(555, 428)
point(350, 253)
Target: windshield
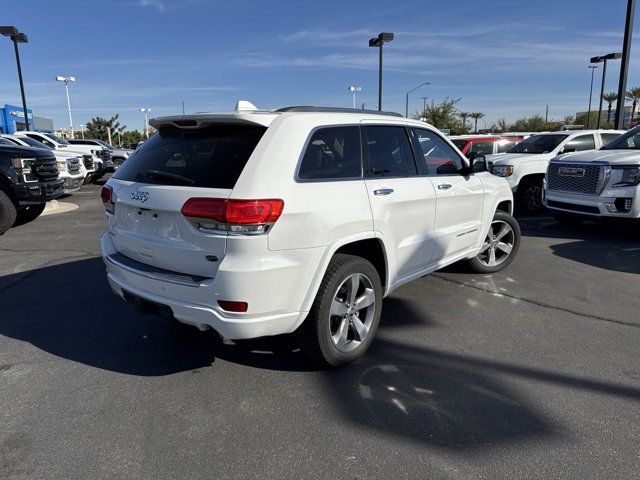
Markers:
point(538, 144)
point(56, 139)
point(460, 142)
point(628, 141)
point(33, 143)
point(104, 144)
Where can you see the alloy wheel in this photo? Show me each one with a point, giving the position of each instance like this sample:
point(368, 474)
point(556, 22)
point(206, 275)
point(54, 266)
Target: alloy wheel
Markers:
point(497, 245)
point(352, 312)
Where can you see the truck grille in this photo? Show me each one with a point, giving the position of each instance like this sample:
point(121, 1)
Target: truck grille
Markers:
point(44, 168)
point(88, 162)
point(575, 177)
point(73, 166)
point(105, 155)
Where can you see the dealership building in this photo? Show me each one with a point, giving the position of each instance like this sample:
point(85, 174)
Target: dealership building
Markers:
point(12, 120)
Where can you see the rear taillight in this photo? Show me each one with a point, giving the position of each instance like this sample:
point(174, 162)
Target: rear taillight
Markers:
point(233, 216)
point(107, 198)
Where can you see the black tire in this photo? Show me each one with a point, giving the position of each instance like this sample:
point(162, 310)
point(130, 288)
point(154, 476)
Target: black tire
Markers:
point(30, 213)
point(117, 162)
point(97, 178)
point(8, 212)
point(315, 333)
point(529, 196)
point(480, 263)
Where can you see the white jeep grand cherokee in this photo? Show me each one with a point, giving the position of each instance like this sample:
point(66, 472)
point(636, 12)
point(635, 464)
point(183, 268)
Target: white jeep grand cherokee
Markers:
point(260, 223)
point(600, 183)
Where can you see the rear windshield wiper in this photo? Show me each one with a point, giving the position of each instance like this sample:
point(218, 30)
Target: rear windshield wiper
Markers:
point(160, 176)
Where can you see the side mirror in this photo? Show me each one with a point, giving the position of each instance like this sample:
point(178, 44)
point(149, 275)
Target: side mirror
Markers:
point(567, 150)
point(479, 164)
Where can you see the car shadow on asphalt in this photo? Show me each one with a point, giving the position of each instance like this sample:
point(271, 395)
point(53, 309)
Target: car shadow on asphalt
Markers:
point(450, 400)
point(607, 245)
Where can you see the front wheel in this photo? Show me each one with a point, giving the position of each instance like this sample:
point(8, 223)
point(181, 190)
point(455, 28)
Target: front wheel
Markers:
point(500, 245)
point(345, 315)
point(7, 212)
point(529, 196)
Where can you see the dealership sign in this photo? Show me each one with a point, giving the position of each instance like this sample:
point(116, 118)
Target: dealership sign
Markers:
point(19, 113)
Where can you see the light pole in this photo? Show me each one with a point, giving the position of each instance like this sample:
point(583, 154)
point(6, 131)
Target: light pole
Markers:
point(406, 100)
point(624, 67)
point(146, 111)
point(593, 70)
point(603, 59)
point(18, 37)
point(353, 89)
point(82, 131)
point(424, 104)
point(378, 42)
point(67, 81)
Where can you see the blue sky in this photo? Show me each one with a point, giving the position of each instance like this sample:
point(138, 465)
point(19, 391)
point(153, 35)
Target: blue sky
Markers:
point(505, 58)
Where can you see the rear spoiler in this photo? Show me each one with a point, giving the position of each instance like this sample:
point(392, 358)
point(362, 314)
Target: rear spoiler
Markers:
point(198, 120)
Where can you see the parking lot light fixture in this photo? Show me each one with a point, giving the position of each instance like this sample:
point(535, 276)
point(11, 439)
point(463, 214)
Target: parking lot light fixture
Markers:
point(378, 42)
point(18, 37)
point(603, 59)
point(406, 101)
point(82, 131)
point(146, 111)
point(353, 89)
point(67, 81)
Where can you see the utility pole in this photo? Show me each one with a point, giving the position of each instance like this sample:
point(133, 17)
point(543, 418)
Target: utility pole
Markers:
point(182, 107)
point(624, 67)
point(593, 70)
point(18, 37)
point(378, 42)
point(424, 104)
point(546, 115)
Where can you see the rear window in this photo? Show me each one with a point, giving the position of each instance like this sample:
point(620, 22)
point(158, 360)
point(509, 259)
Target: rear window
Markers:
point(209, 157)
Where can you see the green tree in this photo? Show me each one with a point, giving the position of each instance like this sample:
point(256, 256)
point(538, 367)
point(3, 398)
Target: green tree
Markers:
point(463, 116)
point(632, 94)
point(535, 123)
point(443, 115)
point(502, 125)
point(130, 138)
point(100, 128)
point(610, 98)
point(476, 116)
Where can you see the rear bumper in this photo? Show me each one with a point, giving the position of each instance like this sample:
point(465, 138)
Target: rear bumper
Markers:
point(274, 306)
point(595, 206)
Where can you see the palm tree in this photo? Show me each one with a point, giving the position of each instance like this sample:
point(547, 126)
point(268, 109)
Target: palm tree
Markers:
point(476, 116)
point(610, 98)
point(464, 116)
point(633, 94)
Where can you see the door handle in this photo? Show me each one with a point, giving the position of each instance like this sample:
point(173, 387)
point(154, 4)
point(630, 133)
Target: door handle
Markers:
point(444, 186)
point(383, 191)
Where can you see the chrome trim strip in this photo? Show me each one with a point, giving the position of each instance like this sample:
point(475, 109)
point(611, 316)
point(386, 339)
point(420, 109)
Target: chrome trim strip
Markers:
point(155, 276)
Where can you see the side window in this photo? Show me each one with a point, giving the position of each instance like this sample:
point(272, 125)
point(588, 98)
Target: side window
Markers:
point(608, 137)
point(438, 156)
point(482, 148)
point(387, 152)
point(582, 142)
point(504, 145)
point(332, 152)
point(42, 140)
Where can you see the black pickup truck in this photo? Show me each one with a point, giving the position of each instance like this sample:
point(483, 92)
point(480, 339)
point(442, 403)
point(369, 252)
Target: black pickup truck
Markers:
point(28, 179)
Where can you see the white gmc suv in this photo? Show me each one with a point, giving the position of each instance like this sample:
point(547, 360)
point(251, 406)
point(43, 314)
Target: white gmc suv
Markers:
point(525, 164)
point(600, 183)
point(259, 223)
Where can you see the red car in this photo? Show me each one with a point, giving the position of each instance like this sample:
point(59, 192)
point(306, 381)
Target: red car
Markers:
point(483, 144)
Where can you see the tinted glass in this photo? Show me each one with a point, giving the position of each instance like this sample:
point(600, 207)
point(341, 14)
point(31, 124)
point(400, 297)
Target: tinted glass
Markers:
point(439, 157)
point(4, 141)
point(41, 140)
point(387, 152)
point(627, 141)
point(538, 144)
point(583, 142)
point(332, 152)
point(56, 138)
point(482, 148)
point(460, 143)
point(609, 137)
point(32, 143)
point(211, 157)
point(504, 145)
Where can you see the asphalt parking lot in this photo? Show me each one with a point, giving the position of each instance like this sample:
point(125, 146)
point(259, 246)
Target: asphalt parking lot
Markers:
point(533, 372)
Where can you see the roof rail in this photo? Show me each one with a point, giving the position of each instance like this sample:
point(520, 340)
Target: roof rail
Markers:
point(335, 110)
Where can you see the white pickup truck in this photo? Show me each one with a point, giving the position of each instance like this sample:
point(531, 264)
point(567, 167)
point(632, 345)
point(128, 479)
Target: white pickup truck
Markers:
point(600, 183)
point(525, 164)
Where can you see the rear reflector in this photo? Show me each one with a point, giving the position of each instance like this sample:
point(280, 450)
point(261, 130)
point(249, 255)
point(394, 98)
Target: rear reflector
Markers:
point(235, 212)
point(230, 306)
